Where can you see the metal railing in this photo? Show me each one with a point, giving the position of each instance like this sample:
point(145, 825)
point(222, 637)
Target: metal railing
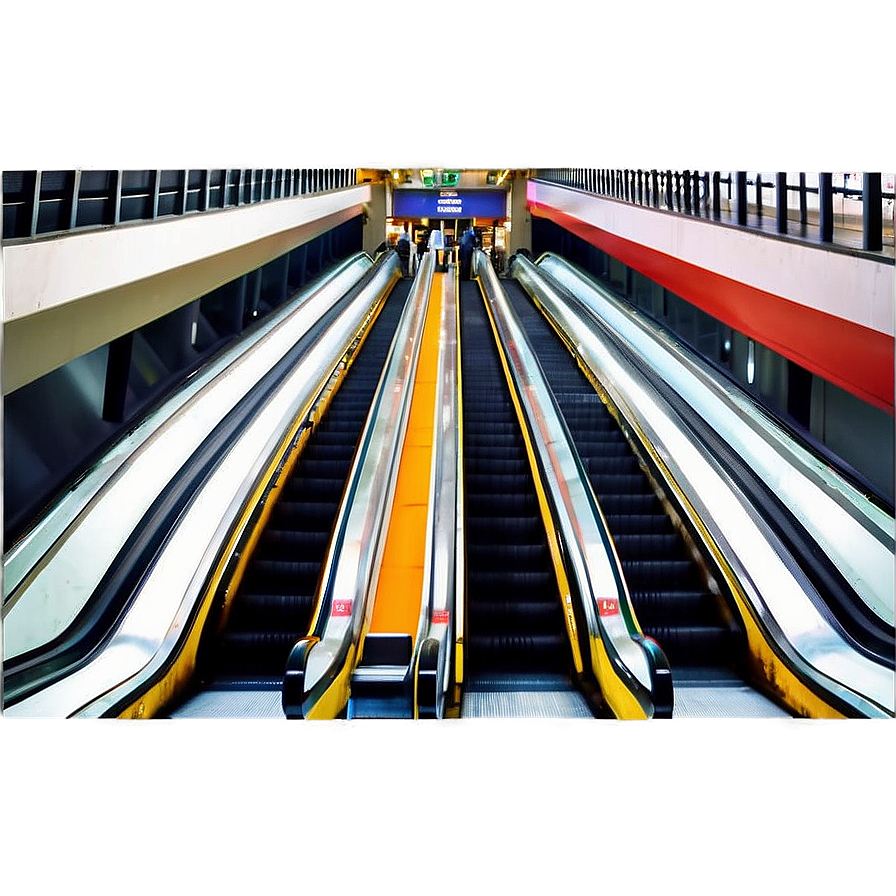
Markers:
point(751, 199)
point(36, 203)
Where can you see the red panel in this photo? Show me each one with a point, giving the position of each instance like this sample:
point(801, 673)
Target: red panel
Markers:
point(857, 358)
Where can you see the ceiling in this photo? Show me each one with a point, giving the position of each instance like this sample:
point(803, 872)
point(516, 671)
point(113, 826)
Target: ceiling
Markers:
point(496, 83)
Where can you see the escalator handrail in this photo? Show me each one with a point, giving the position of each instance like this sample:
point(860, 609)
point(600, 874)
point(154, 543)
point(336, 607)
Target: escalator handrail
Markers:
point(780, 600)
point(64, 558)
point(345, 604)
point(442, 610)
point(64, 513)
point(176, 589)
point(626, 671)
point(854, 532)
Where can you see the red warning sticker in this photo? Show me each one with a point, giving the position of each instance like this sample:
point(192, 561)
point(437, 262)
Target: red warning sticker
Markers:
point(607, 606)
point(440, 617)
point(341, 608)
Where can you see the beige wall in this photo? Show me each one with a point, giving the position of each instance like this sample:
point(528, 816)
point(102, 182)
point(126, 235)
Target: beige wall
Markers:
point(375, 222)
point(521, 223)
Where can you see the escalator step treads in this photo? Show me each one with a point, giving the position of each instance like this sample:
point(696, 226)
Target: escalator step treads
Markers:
point(508, 530)
point(499, 576)
point(667, 605)
point(612, 465)
point(640, 503)
point(259, 644)
point(646, 545)
point(498, 438)
point(323, 437)
point(304, 540)
point(482, 484)
point(615, 483)
point(692, 644)
point(310, 489)
point(347, 424)
point(308, 513)
point(664, 572)
point(325, 468)
point(264, 570)
point(342, 450)
point(260, 611)
point(484, 465)
point(502, 505)
point(519, 556)
point(638, 523)
point(285, 544)
point(520, 614)
point(517, 652)
point(590, 445)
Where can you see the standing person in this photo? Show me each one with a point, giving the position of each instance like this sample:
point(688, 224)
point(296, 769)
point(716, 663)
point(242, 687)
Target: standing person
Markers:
point(422, 237)
point(437, 244)
point(404, 251)
point(467, 243)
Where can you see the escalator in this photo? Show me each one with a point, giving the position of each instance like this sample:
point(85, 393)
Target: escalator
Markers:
point(517, 655)
point(706, 650)
point(276, 599)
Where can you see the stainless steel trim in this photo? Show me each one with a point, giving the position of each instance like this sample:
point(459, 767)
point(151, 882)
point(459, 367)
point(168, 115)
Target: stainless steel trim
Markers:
point(352, 564)
point(591, 557)
point(777, 591)
point(856, 534)
point(150, 631)
point(52, 571)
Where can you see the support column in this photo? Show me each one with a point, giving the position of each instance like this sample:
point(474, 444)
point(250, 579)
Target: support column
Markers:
point(826, 207)
point(872, 212)
point(781, 200)
point(741, 197)
point(804, 216)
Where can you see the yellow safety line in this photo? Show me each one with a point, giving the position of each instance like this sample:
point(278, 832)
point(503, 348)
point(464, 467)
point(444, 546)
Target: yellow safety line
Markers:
point(399, 588)
point(459, 633)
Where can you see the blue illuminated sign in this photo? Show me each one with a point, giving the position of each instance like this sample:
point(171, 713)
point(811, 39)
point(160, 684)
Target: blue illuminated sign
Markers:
point(449, 203)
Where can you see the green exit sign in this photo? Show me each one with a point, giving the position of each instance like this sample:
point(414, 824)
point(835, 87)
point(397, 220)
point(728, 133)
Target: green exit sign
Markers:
point(439, 177)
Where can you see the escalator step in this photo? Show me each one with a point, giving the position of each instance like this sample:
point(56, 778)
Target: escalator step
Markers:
point(274, 604)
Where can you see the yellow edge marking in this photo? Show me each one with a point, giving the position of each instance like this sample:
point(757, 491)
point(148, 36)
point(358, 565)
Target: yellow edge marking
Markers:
point(178, 677)
point(399, 587)
point(544, 506)
point(765, 664)
point(334, 699)
point(458, 632)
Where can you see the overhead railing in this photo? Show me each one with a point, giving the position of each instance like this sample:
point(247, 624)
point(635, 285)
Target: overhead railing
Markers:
point(791, 635)
point(748, 198)
point(178, 582)
point(37, 203)
point(631, 669)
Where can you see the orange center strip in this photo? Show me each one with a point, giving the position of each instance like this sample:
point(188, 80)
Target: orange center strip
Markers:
point(399, 588)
